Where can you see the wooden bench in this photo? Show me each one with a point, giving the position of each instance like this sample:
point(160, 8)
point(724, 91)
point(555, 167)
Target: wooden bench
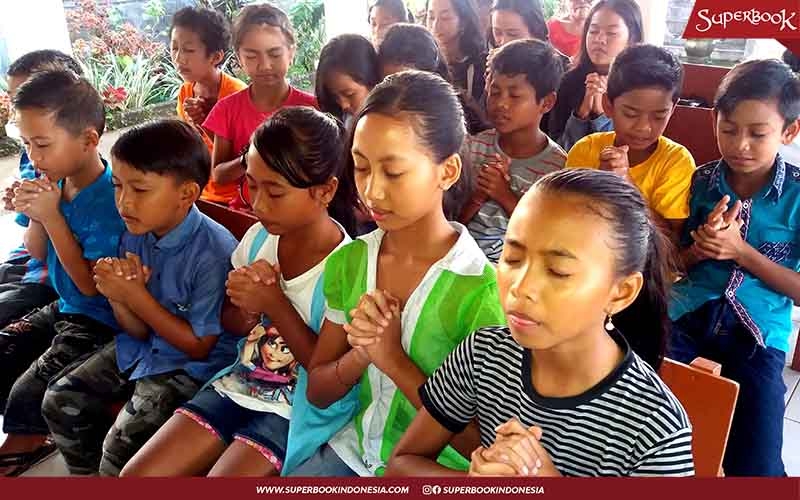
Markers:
point(235, 221)
point(710, 400)
point(694, 128)
point(702, 81)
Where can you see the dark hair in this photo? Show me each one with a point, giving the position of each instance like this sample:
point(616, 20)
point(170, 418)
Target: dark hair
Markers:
point(470, 39)
point(75, 104)
point(396, 7)
point(306, 147)
point(209, 25)
point(352, 55)
point(413, 46)
point(165, 147)
point(43, 60)
point(639, 245)
point(761, 80)
point(641, 66)
point(432, 108)
point(792, 60)
point(531, 13)
point(257, 15)
point(537, 60)
point(630, 13)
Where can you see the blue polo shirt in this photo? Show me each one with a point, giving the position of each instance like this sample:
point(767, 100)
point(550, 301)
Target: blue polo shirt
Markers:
point(189, 267)
point(772, 226)
point(93, 218)
point(36, 270)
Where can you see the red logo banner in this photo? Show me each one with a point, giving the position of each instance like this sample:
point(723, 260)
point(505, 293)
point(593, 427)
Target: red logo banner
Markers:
point(778, 19)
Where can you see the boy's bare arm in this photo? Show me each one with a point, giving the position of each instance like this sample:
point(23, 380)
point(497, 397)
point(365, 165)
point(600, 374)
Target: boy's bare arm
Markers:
point(35, 239)
point(70, 254)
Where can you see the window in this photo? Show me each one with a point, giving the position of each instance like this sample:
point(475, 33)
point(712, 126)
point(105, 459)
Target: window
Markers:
point(726, 52)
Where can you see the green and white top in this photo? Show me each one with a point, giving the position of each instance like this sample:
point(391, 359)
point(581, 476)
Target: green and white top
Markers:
point(457, 296)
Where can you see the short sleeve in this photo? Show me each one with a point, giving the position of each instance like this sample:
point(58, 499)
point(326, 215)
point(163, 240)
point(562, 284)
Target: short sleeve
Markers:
point(241, 254)
point(580, 155)
point(672, 456)
point(218, 119)
point(208, 293)
point(334, 287)
point(670, 197)
point(182, 95)
point(449, 394)
point(484, 309)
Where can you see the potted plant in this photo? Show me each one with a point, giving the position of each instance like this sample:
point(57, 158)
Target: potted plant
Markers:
point(8, 146)
point(699, 49)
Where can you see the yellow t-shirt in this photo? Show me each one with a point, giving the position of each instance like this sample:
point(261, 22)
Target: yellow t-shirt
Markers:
point(664, 179)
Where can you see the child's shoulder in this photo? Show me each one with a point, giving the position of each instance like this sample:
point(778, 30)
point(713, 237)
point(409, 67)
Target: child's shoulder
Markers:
point(792, 174)
point(675, 149)
point(352, 254)
point(234, 100)
point(220, 239)
point(483, 144)
point(596, 140)
point(230, 85)
point(644, 384)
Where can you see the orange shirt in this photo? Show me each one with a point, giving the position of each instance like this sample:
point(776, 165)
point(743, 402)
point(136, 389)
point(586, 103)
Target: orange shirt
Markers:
point(228, 85)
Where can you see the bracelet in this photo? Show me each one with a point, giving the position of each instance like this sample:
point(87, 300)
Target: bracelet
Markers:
point(336, 371)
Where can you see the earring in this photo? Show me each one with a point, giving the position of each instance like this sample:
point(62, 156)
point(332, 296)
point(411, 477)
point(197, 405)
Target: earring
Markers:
point(609, 324)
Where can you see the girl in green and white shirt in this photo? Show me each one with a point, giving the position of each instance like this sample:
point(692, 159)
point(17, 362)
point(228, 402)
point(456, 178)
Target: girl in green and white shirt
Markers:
point(400, 299)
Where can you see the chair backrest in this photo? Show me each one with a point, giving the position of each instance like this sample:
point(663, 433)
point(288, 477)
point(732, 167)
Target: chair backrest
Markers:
point(237, 222)
point(709, 399)
point(694, 128)
point(702, 81)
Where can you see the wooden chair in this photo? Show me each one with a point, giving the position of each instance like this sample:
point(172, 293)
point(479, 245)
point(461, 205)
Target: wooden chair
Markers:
point(796, 357)
point(710, 400)
point(701, 81)
point(694, 128)
point(236, 222)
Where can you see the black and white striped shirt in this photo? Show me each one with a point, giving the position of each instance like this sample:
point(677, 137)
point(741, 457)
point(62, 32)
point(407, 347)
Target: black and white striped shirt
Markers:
point(629, 424)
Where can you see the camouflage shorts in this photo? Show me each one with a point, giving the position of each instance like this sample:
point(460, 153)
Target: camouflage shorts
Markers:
point(77, 408)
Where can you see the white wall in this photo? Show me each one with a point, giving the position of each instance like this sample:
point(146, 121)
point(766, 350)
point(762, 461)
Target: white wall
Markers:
point(654, 18)
point(29, 25)
point(346, 16)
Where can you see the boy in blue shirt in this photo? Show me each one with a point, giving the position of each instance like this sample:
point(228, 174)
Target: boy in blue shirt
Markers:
point(24, 284)
point(166, 289)
point(742, 255)
point(73, 223)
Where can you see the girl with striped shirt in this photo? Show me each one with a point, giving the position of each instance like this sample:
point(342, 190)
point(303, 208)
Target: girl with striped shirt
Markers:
point(562, 390)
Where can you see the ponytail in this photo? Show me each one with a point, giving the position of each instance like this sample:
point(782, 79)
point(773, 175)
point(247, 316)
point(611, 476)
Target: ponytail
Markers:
point(649, 312)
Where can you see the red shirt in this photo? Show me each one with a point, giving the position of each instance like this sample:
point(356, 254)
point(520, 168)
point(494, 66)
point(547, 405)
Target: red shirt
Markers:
point(561, 39)
point(235, 118)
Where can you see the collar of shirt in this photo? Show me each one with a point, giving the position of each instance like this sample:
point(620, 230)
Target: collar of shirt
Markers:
point(773, 191)
point(179, 236)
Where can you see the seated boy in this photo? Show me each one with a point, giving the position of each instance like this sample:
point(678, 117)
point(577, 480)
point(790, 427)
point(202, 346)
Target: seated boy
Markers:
point(166, 290)
point(24, 285)
point(740, 248)
point(510, 157)
point(73, 223)
point(199, 39)
point(643, 89)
